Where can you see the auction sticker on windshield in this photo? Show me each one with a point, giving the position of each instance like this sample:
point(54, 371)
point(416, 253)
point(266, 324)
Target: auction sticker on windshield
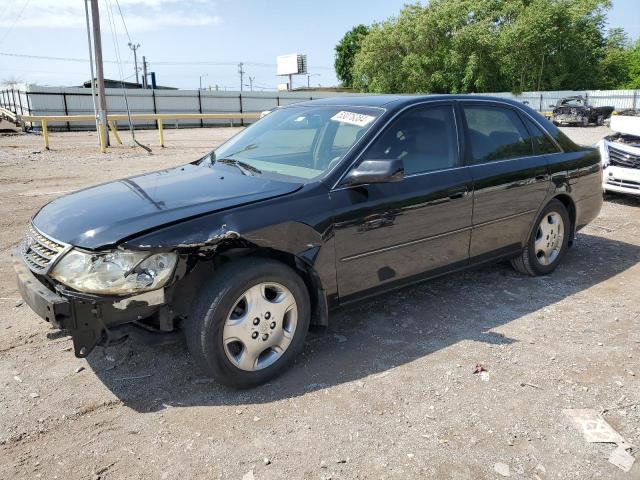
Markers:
point(353, 118)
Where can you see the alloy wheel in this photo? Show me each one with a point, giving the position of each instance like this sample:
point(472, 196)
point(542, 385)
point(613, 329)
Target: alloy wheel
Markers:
point(549, 238)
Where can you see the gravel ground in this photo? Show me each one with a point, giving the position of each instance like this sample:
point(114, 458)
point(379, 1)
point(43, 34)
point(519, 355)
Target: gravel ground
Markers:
point(586, 135)
point(387, 392)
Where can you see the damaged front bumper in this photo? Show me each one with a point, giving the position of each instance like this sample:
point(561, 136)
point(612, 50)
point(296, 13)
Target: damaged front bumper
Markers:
point(568, 118)
point(88, 318)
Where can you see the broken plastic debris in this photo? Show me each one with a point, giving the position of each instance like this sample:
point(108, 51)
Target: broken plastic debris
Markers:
point(248, 475)
point(502, 469)
point(594, 428)
point(479, 369)
point(621, 458)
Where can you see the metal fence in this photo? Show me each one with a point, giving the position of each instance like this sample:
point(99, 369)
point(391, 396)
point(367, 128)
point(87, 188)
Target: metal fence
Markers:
point(39, 101)
point(544, 101)
point(36, 100)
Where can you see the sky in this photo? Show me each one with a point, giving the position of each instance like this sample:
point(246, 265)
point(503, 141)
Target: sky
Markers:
point(193, 42)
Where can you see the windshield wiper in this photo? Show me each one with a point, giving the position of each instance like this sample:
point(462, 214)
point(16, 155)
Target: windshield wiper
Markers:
point(242, 166)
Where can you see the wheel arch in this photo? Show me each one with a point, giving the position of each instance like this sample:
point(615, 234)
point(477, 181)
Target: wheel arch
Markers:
point(570, 205)
point(203, 268)
point(303, 267)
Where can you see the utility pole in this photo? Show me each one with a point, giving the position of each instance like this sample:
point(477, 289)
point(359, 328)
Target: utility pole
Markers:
point(201, 77)
point(309, 75)
point(241, 72)
point(93, 85)
point(144, 72)
point(135, 59)
point(97, 45)
point(251, 79)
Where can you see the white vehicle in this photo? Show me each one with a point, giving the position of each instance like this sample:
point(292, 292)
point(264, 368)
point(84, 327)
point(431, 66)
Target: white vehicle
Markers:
point(621, 155)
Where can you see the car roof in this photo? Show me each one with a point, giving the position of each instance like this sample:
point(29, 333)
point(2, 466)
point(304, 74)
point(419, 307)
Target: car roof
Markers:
point(396, 101)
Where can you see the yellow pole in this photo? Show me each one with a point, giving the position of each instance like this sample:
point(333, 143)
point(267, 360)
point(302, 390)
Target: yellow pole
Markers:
point(45, 134)
point(161, 132)
point(103, 147)
point(114, 130)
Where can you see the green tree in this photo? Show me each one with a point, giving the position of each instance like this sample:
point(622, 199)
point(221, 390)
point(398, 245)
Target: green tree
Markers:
point(633, 80)
point(614, 68)
point(460, 46)
point(346, 50)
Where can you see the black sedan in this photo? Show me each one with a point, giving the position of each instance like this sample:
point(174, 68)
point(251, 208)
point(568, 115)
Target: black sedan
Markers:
point(316, 205)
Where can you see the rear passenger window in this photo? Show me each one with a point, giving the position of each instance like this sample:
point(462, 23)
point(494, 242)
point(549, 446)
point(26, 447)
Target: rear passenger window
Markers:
point(496, 133)
point(424, 138)
point(541, 142)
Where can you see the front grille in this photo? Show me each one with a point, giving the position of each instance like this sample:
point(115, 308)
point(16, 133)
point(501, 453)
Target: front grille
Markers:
point(623, 183)
point(566, 110)
point(620, 158)
point(40, 252)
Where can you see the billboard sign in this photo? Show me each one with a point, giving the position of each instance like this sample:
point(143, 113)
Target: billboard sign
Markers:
point(292, 64)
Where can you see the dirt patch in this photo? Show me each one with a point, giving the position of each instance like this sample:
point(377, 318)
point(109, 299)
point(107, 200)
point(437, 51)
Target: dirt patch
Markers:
point(387, 392)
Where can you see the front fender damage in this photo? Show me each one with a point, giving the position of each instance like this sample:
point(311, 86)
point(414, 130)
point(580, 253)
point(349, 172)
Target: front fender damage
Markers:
point(295, 243)
point(217, 240)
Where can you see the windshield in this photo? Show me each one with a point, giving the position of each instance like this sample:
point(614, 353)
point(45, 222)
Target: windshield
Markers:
point(298, 142)
point(573, 102)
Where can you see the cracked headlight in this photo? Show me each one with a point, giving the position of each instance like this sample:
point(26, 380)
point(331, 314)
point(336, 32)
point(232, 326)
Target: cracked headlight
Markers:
point(114, 273)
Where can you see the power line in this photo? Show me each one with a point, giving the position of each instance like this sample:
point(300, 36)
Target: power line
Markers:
point(123, 22)
point(15, 20)
point(42, 57)
point(8, 12)
point(114, 34)
point(219, 64)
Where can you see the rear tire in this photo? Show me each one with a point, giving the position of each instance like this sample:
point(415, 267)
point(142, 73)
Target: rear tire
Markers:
point(249, 322)
point(547, 243)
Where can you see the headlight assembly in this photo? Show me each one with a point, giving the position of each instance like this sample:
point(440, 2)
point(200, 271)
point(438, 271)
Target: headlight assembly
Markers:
point(115, 272)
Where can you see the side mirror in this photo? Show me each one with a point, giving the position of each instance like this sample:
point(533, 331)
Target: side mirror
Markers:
point(376, 171)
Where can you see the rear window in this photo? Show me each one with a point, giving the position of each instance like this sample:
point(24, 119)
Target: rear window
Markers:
point(541, 142)
point(496, 133)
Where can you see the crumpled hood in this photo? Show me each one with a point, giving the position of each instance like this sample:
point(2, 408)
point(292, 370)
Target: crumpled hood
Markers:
point(106, 214)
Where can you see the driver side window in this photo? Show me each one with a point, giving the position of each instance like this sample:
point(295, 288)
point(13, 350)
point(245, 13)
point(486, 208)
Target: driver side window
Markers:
point(424, 138)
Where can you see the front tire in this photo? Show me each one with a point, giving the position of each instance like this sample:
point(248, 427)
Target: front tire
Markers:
point(547, 243)
point(249, 322)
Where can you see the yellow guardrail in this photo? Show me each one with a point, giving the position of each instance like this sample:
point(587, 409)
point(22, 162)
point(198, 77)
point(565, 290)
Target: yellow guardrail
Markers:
point(159, 118)
point(8, 114)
